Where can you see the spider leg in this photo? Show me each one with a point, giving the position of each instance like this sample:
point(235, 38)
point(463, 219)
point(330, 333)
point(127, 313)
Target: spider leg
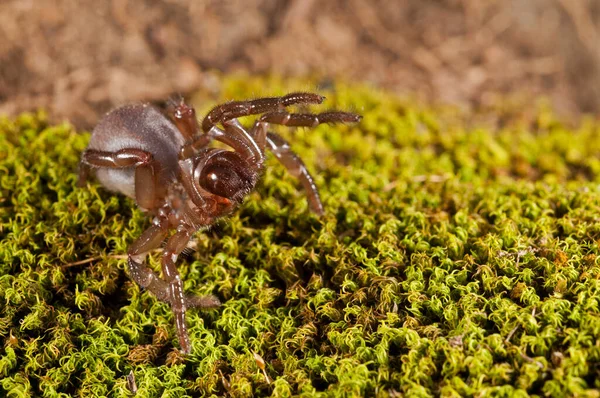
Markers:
point(178, 299)
point(170, 289)
point(234, 135)
point(148, 279)
point(184, 117)
point(258, 132)
point(242, 142)
point(145, 170)
point(281, 148)
point(292, 162)
point(308, 119)
point(84, 173)
point(235, 109)
point(150, 239)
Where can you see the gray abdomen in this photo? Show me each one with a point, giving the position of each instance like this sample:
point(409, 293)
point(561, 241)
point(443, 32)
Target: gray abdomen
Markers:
point(139, 126)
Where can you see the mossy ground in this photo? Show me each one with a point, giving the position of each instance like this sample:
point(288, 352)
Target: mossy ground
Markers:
point(458, 257)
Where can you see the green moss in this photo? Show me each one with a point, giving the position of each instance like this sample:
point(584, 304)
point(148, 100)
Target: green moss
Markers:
point(458, 256)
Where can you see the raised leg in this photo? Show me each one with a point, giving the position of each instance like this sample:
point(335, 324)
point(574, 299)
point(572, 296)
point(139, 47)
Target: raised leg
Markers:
point(145, 170)
point(235, 109)
point(308, 119)
point(252, 145)
point(235, 136)
point(243, 143)
point(281, 149)
point(258, 132)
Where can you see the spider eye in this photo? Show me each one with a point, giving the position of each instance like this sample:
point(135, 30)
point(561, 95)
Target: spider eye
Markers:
point(223, 176)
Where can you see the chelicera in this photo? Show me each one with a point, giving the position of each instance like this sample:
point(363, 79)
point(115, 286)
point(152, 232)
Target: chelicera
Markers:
point(164, 162)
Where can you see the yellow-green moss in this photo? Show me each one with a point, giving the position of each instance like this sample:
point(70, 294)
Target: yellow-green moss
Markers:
point(458, 256)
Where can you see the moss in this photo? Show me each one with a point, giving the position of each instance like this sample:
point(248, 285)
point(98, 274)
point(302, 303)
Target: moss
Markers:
point(458, 256)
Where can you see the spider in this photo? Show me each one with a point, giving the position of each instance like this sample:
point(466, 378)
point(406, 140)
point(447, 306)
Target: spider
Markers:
point(165, 162)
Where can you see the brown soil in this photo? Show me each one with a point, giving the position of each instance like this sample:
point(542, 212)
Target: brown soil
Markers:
point(79, 58)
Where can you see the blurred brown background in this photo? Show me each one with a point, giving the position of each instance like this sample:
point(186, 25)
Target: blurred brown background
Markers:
point(80, 58)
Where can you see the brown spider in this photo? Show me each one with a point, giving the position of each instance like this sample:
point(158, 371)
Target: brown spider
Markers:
point(167, 166)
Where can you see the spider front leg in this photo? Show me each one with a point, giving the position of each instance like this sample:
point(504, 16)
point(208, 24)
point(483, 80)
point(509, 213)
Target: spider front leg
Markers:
point(184, 117)
point(308, 119)
point(235, 109)
point(235, 136)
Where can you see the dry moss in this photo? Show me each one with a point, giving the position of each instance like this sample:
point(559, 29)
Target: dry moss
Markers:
point(458, 256)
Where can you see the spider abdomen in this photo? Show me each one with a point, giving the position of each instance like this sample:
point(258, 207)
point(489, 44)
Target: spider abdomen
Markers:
point(140, 126)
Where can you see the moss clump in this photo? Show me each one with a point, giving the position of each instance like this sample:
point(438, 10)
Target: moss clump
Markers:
point(458, 256)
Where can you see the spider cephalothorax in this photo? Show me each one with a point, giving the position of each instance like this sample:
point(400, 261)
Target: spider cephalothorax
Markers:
point(167, 166)
point(226, 174)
